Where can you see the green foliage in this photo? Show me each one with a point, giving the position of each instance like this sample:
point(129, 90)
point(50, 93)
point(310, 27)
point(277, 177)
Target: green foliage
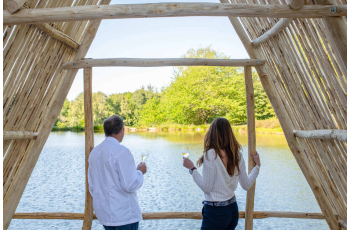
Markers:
point(195, 97)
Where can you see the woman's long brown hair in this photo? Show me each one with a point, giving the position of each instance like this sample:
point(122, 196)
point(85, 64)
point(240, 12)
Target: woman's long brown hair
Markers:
point(220, 137)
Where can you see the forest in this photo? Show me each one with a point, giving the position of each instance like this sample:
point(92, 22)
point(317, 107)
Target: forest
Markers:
point(196, 95)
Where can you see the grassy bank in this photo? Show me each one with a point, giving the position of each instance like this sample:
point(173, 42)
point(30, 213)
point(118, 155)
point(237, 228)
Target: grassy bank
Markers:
point(270, 126)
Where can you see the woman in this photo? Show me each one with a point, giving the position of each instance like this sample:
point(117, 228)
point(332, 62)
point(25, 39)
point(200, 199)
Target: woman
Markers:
point(223, 168)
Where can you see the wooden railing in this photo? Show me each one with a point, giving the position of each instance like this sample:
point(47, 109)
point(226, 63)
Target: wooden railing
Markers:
point(170, 215)
point(157, 62)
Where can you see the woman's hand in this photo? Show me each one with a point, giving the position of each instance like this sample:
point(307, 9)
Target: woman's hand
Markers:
point(256, 158)
point(188, 163)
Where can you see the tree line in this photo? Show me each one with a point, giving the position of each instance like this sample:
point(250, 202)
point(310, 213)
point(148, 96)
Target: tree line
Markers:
point(196, 95)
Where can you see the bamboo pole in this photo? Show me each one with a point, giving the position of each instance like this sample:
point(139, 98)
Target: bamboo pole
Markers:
point(340, 135)
point(170, 215)
point(153, 62)
point(89, 143)
point(285, 122)
point(79, 13)
point(251, 144)
point(18, 185)
point(16, 135)
point(14, 5)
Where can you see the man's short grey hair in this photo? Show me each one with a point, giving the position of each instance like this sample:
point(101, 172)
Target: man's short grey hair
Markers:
point(113, 125)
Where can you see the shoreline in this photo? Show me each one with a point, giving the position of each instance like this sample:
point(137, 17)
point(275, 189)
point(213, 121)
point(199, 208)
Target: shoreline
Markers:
point(150, 129)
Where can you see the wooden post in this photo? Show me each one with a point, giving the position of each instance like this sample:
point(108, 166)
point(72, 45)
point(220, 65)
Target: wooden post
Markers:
point(20, 181)
point(285, 122)
point(249, 208)
point(89, 144)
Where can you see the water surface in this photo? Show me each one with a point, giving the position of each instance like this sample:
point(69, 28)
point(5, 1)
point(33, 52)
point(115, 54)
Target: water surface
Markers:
point(57, 182)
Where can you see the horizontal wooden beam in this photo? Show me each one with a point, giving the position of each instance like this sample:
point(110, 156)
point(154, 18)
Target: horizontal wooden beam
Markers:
point(280, 25)
point(15, 135)
point(154, 62)
point(56, 34)
point(170, 215)
point(79, 13)
point(338, 134)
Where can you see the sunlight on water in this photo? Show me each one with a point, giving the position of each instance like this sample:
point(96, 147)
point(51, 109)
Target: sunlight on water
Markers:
point(57, 182)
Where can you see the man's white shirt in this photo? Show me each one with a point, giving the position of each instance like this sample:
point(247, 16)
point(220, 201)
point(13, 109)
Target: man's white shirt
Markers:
point(113, 182)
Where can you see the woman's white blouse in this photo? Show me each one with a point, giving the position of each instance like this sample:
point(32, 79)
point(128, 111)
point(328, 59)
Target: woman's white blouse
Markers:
point(216, 183)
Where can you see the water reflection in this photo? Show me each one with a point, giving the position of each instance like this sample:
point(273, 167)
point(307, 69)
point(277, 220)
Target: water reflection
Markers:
point(57, 182)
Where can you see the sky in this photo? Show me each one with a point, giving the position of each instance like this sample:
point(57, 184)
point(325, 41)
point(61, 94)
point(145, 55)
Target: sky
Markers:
point(153, 38)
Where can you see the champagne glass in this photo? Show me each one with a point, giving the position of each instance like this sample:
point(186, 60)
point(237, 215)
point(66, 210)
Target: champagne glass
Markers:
point(185, 151)
point(144, 155)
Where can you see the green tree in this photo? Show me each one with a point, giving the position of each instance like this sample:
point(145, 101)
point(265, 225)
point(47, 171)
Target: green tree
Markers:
point(99, 107)
point(75, 116)
point(196, 95)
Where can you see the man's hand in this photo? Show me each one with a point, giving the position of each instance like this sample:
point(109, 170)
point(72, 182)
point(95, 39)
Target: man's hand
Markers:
point(142, 167)
point(188, 163)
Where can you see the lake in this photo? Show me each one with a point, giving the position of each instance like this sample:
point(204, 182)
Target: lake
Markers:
point(57, 183)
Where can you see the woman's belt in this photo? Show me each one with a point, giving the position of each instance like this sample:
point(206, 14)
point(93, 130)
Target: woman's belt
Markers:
point(221, 203)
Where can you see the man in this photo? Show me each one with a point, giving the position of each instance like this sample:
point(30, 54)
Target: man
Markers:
point(114, 180)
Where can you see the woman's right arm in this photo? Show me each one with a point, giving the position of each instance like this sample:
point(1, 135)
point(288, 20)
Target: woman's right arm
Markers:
point(206, 182)
point(247, 181)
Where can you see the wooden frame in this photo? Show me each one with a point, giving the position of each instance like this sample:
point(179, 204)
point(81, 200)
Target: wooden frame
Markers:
point(76, 13)
point(320, 154)
point(157, 62)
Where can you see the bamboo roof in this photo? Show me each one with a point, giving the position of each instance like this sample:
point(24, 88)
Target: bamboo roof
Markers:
point(304, 76)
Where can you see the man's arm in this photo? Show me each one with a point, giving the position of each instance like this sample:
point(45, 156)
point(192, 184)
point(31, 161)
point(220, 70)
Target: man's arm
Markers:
point(130, 178)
